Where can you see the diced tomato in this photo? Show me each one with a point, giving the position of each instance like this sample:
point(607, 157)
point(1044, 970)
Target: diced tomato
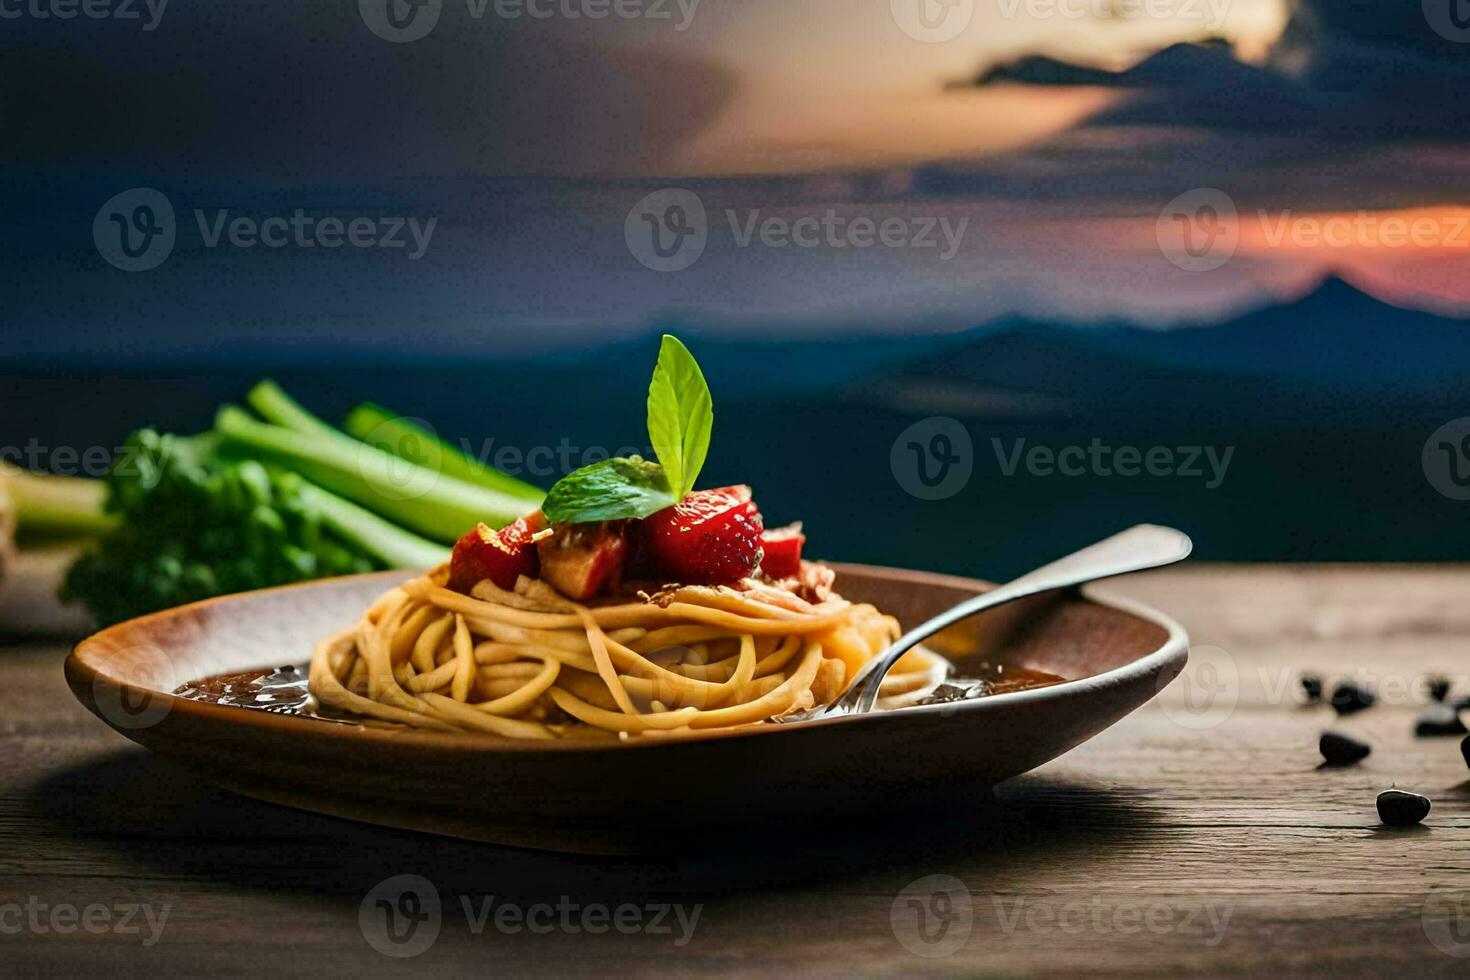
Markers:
point(583, 560)
point(711, 537)
point(500, 556)
point(782, 551)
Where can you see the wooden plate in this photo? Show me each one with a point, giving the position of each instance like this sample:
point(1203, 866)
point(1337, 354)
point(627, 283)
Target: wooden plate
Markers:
point(634, 797)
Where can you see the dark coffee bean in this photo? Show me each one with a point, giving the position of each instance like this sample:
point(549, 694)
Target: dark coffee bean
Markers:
point(1438, 719)
point(1312, 688)
point(1399, 809)
point(1349, 697)
point(1465, 749)
point(1339, 750)
point(1438, 687)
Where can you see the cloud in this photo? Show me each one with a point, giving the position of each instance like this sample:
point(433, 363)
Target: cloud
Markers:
point(1341, 69)
point(290, 90)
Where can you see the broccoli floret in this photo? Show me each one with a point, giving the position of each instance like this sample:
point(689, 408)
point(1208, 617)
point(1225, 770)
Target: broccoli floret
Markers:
point(196, 523)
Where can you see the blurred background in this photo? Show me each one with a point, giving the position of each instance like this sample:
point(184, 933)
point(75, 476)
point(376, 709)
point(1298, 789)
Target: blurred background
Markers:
point(973, 281)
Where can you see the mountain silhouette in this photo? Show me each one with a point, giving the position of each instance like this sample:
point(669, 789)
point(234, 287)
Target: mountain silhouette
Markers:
point(1167, 66)
point(1182, 84)
point(1335, 343)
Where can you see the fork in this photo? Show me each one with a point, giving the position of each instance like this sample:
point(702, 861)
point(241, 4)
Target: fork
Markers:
point(1134, 550)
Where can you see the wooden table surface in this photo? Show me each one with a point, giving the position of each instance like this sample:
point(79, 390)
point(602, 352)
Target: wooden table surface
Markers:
point(1198, 835)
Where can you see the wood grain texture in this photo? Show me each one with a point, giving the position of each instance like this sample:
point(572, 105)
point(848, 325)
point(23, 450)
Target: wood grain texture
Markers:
point(1197, 835)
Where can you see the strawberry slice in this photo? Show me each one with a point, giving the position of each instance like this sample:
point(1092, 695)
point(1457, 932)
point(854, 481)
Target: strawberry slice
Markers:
point(711, 537)
point(581, 560)
point(782, 549)
point(500, 556)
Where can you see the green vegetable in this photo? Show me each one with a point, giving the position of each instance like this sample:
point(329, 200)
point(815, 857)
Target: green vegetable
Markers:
point(680, 416)
point(279, 408)
point(612, 490)
point(196, 522)
point(416, 497)
point(55, 506)
point(408, 440)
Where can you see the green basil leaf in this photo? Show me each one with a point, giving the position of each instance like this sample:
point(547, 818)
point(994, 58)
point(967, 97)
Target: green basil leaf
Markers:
point(680, 416)
point(612, 490)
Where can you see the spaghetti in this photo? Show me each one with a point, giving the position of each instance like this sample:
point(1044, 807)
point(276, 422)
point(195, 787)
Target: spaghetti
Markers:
point(531, 663)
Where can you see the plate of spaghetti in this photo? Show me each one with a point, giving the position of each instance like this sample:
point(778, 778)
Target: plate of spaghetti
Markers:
point(615, 659)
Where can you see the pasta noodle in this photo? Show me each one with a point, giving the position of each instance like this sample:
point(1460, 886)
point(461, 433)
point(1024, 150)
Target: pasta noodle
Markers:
point(533, 664)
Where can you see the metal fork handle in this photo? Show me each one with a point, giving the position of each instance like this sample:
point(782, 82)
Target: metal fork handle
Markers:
point(1134, 550)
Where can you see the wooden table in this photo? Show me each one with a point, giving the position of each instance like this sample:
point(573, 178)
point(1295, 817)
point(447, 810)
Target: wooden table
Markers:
point(1198, 835)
